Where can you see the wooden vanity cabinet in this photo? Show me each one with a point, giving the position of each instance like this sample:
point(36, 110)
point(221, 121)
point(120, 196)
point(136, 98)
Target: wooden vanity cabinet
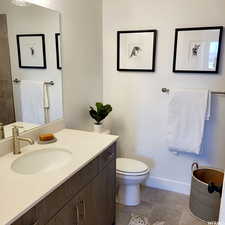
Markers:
point(87, 198)
point(67, 215)
point(104, 189)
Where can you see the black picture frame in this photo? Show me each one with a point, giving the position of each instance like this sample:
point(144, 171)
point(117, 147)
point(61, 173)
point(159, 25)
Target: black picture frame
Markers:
point(177, 30)
point(58, 56)
point(152, 69)
point(42, 36)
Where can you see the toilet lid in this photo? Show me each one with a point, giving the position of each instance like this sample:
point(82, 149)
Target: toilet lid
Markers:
point(126, 165)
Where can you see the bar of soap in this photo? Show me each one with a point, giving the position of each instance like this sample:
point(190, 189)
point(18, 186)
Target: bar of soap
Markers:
point(46, 137)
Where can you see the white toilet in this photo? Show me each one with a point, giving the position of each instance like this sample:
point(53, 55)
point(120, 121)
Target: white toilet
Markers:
point(130, 174)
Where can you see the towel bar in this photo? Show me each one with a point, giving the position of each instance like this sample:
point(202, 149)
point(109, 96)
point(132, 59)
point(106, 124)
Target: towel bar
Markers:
point(166, 90)
point(16, 81)
point(47, 82)
point(50, 83)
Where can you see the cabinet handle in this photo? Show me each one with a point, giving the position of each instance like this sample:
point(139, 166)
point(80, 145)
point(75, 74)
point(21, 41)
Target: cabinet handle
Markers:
point(84, 208)
point(78, 215)
point(81, 215)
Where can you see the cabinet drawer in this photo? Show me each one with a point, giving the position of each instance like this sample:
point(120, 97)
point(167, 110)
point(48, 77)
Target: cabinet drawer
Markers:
point(107, 156)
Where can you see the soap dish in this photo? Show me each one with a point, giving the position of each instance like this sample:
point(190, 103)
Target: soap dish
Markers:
point(47, 142)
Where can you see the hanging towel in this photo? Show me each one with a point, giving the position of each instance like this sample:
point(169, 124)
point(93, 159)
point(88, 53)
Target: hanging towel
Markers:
point(188, 111)
point(46, 96)
point(46, 102)
point(208, 111)
point(32, 96)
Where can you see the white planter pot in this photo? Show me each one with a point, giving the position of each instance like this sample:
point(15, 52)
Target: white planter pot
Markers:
point(98, 128)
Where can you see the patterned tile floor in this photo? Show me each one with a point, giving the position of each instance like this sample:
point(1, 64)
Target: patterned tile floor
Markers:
point(159, 205)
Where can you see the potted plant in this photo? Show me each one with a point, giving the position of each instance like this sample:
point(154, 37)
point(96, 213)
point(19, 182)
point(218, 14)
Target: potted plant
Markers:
point(99, 114)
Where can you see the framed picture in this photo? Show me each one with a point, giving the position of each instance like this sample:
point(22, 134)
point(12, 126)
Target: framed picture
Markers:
point(58, 50)
point(31, 51)
point(197, 50)
point(136, 50)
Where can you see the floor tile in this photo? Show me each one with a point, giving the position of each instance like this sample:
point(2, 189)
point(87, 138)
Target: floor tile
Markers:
point(162, 196)
point(187, 219)
point(169, 213)
point(144, 209)
point(158, 206)
point(122, 217)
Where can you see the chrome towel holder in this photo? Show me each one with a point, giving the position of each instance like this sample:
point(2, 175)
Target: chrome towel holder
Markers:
point(166, 90)
point(47, 82)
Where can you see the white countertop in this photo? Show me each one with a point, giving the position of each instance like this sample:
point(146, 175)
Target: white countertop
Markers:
point(19, 193)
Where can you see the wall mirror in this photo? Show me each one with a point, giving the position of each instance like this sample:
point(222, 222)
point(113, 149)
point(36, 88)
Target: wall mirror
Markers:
point(30, 75)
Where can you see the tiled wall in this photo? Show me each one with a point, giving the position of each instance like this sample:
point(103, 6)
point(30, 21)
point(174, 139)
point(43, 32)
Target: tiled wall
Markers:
point(6, 89)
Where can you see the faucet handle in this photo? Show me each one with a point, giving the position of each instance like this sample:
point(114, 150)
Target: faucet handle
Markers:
point(15, 130)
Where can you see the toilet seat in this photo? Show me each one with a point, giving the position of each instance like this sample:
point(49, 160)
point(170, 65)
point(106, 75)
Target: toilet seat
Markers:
point(131, 174)
point(131, 167)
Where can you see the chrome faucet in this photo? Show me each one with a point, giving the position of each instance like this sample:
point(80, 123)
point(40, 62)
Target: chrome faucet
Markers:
point(17, 139)
point(2, 133)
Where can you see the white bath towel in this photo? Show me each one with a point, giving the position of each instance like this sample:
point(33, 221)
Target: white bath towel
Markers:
point(46, 102)
point(46, 96)
point(32, 106)
point(188, 111)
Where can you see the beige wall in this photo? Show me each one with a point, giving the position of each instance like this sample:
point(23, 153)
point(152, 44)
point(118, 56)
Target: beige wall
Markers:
point(82, 48)
point(140, 109)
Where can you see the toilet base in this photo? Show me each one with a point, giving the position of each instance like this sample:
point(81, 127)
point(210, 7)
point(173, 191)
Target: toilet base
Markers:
point(129, 195)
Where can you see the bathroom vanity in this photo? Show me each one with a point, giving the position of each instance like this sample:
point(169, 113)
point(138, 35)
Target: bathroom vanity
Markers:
point(82, 192)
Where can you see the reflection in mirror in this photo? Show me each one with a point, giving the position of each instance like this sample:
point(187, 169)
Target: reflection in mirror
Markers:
point(30, 67)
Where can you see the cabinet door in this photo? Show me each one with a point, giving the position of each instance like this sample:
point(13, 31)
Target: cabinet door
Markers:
point(100, 198)
point(66, 216)
point(30, 218)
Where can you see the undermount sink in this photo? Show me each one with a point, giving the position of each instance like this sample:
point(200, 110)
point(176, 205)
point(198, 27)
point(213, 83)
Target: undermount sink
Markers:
point(43, 160)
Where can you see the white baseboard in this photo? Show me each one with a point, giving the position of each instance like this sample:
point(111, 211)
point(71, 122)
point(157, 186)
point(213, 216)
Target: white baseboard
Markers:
point(169, 185)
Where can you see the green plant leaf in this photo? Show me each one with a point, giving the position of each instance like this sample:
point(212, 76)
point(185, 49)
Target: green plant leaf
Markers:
point(101, 113)
point(99, 106)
